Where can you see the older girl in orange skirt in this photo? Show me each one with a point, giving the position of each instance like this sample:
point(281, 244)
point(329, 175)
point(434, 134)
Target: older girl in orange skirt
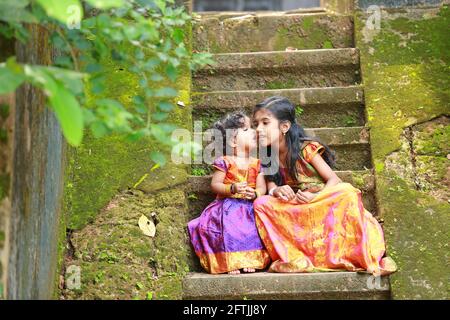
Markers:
point(311, 220)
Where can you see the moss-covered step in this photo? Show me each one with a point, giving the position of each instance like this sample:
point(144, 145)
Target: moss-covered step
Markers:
point(315, 107)
point(200, 195)
point(351, 145)
point(361, 179)
point(279, 69)
point(218, 33)
point(331, 136)
point(264, 285)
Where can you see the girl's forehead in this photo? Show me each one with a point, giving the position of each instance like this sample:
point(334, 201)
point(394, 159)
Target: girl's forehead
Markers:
point(262, 114)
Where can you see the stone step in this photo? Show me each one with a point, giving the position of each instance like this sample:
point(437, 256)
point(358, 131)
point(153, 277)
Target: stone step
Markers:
point(280, 70)
point(341, 136)
point(361, 179)
point(317, 107)
point(220, 33)
point(264, 285)
point(230, 14)
point(200, 194)
point(351, 145)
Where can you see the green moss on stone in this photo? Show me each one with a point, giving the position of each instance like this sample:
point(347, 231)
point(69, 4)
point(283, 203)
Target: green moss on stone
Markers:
point(416, 233)
point(405, 73)
point(116, 259)
point(119, 262)
point(4, 111)
point(4, 185)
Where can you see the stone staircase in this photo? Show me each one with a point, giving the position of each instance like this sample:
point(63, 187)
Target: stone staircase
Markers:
point(320, 73)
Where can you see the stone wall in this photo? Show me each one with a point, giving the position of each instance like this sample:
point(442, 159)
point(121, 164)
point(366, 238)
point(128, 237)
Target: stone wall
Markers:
point(110, 184)
point(6, 132)
point(405, 73)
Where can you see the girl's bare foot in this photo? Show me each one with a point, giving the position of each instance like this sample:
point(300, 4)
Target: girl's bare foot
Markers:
point(249, 270)
point(234, 272)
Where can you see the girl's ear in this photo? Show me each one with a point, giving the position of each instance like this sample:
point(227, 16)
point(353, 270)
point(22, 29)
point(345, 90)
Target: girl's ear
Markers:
point(285, 126)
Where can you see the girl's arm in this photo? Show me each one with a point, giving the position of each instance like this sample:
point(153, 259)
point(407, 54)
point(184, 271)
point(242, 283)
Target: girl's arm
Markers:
point(261, 184)
point(283, 192)
point(217, 185)
point(325, 171)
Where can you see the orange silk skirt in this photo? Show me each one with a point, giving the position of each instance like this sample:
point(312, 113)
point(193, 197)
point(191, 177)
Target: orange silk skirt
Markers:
point(333, 232)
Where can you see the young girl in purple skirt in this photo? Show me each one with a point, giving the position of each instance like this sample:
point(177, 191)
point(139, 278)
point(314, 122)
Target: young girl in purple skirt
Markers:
point(224, 236)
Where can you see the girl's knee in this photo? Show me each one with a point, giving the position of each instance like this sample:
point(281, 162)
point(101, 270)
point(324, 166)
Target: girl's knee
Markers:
point(260, 202)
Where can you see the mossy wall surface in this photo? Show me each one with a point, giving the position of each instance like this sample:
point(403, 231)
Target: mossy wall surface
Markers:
point(405, 67)
point(6, 131)
point(117, 260)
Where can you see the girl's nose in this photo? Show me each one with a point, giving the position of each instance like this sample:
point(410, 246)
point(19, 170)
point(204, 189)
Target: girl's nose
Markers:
point(258, 128)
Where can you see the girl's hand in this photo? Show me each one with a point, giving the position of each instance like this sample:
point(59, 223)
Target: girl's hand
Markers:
point(284, 193)
point(304, 196)
point(240, 187)
point(249, 193)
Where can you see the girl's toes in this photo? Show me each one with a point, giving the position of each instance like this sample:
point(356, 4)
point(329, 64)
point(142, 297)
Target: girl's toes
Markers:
point(234, 272)
point(249, 270)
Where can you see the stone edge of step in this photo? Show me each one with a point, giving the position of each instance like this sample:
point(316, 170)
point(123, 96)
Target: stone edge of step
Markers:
point(294, 59)
point(203, 285)
point(338, 136)
point(304, 96)
point(366, 178)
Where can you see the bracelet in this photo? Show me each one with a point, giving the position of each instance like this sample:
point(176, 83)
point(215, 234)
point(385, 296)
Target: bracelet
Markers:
point(257, 194)
point(271, 191)
point(228, 189)
point(232, 191)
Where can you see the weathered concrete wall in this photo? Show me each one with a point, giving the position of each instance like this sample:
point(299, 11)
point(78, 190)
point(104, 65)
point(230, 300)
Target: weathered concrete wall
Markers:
point(398, 3)
point(36, 187)
point(109, 185)
point(405, 73)
point(6, 133)
point(339, 6)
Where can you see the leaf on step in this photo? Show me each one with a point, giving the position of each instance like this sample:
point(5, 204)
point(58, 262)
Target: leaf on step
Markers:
point(147, 226)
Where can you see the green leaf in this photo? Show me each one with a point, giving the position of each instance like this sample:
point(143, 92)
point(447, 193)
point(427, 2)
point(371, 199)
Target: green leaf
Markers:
point(166, 92)
point(178, 35)
point(327, 45)
point(9, 80)
point(165, 106)
point(160, 134)
point(156, 77)
point(105, 4)
point(62, 101)
point(171, 72)
point(16, 11)
point(69, 114)
point(159, 116)
point(62, 10)
point(158, 157)
point(139, 285)
point(72, 80)
point(99, 129)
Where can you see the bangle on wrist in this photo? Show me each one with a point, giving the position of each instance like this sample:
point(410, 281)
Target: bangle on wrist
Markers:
point(232, 191)
point(257, 194)
point(271, 191)
point(228, 189)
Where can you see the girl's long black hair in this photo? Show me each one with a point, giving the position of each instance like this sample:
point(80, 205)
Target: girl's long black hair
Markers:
point(284, 110)
point(234, 120)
